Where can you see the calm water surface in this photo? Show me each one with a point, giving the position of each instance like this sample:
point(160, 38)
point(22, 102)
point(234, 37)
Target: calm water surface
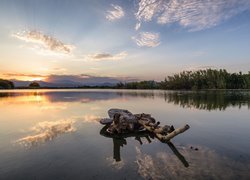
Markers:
point(55, 134)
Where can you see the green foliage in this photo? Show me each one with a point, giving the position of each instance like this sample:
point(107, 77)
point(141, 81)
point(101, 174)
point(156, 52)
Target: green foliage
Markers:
point(5, 84)
point(207, 79)
point(138, 85)
point(34, 85)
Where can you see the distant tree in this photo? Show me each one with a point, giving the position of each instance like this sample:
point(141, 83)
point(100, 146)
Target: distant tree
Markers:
point(207, 79)
point(138, 85)
point(119, 85)
point(5, 84)
point(195, 80)
point(34, 85)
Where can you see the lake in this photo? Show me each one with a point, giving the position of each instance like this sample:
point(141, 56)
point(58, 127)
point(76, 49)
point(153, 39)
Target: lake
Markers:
point(56, 134)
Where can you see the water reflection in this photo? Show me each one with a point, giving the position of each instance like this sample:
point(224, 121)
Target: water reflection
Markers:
point(63, 95)
point(204, 164)
point(46, 131)
point(120, 140)
point(207, 100)
point(84, 154)
point(90, 118)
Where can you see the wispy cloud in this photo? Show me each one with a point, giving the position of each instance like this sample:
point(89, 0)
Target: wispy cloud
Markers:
point(79, 79)
point(147, 9)
point(115, 13)
point(106, 56)
point(147, 39)
point(44, 42)
point(53, 70)
point(194, 15)
point(22, 76)
point(85, 79)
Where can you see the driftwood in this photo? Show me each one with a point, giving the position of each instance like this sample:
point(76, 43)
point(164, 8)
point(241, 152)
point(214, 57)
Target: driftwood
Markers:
point(123, 121)
point(160, 131)
point(174, 133)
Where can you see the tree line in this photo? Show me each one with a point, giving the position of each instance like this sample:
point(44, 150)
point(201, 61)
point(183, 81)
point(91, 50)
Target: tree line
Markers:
point(5, 84)
point(186, 80)
point(207, 79)
point(195, 80)
point(138, 85)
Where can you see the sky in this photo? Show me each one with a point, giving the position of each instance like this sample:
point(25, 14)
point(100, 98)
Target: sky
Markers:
point(124, 39)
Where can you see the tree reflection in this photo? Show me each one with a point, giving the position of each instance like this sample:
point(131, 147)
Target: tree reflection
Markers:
point(209, 100)
point(5, 94)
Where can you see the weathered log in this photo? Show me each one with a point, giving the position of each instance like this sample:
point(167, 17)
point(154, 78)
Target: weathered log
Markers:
point(124, 121)
point(158, 131)
point(144, 123)
point(171, 135)
point(149, 125)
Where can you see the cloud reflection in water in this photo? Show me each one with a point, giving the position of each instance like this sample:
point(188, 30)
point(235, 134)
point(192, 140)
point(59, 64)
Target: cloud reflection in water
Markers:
point(203, 164)
point(115, 164)
point(90, 118)
point(46, 131)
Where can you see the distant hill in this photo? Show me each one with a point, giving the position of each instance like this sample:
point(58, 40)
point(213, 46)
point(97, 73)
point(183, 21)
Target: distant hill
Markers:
point(64, 83)
point(72, 81)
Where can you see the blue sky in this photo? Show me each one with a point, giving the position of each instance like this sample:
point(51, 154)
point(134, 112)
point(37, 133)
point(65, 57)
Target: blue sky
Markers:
point(144, 39)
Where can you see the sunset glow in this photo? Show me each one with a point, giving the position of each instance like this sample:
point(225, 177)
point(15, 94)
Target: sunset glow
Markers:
point(138, 39)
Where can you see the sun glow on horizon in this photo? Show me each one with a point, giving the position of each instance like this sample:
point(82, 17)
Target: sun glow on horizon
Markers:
point(36, 79)
point(24, 77)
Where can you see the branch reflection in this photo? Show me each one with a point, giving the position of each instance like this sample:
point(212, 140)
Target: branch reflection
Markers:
point(120, 140)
